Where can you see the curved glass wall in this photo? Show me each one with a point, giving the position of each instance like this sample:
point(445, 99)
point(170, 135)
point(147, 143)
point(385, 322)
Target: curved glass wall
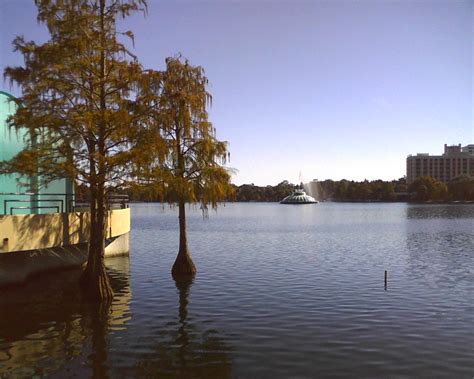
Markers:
point(15, 198)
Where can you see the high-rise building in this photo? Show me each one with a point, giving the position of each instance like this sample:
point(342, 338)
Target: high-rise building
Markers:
point(468, 149)
point(455, 161)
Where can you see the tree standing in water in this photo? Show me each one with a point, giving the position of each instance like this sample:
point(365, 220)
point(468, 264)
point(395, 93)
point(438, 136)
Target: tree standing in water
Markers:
point(187, 165)
point(78, 102)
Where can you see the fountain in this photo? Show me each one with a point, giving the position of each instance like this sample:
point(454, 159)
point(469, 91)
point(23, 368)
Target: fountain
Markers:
point(299, 197)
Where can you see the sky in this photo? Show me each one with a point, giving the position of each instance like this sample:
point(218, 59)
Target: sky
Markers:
point(311, 89)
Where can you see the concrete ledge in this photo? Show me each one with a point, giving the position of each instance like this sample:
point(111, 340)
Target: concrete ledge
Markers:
point(16, 267)
point(118, 246)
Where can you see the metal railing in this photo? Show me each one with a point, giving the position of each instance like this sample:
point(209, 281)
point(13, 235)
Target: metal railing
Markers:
point(114, 201)
point(60, 202)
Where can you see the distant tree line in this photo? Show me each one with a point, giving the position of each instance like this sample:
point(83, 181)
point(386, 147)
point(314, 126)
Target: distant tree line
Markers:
point(342, 190)
point(422, 189)
point(345, 190)
point(251, 192)
point(426, 188)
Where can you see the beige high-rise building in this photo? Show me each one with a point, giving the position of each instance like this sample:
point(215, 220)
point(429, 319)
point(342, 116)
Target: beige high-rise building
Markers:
point(455, 161)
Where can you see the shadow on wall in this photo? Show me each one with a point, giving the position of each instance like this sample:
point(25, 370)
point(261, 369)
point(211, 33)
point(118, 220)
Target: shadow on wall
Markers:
point(28, 232)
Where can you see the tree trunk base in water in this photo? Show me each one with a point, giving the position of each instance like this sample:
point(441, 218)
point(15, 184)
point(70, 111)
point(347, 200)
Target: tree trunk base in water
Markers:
point(183, 265)
point(95, 284)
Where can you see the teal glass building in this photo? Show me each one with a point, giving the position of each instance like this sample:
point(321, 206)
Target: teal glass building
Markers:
point(15, 191)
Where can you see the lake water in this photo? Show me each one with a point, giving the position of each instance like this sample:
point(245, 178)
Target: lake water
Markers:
point(281, 291)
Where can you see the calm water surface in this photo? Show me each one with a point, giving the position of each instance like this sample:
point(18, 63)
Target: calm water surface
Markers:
point(281, 291)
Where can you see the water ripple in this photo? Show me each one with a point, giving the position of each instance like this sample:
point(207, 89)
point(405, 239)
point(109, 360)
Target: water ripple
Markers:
point(280, 292)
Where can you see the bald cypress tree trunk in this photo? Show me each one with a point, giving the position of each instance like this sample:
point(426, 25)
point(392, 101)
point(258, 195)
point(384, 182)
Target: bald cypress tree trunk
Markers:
point(183, 264)
point(95, 280)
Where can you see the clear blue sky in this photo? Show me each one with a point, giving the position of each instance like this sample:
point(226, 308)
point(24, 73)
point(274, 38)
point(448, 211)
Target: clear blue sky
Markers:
point(332, 89)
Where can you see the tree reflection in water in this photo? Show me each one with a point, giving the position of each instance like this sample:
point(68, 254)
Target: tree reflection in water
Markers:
point(47, 329)
point(96, 318)
point(187, 352)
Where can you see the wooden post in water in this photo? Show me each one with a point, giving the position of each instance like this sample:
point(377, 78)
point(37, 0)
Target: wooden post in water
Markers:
point(385, 280)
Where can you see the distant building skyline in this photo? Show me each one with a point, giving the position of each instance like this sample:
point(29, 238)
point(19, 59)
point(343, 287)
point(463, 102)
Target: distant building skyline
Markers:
point(456, 160)
point(332, 89)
